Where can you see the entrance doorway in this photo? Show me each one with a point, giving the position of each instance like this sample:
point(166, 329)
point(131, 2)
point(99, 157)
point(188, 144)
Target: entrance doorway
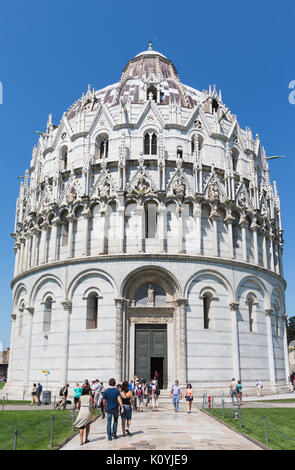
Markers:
point(151, 352)
point(157, 364)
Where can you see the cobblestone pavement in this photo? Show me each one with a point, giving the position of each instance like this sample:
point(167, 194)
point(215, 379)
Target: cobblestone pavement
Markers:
point(166, 430)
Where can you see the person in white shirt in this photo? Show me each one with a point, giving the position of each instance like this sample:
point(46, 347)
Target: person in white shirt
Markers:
point(233, 389)
point(259, 388)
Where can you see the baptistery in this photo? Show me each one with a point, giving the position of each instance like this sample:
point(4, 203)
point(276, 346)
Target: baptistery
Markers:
point(148, 237)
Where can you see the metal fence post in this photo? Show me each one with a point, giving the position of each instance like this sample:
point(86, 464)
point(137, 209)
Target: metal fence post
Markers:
point(51, 431)
point(240, 415)
point(54, 400)
point(222, 407)
point(15, 439)
point(265, 428)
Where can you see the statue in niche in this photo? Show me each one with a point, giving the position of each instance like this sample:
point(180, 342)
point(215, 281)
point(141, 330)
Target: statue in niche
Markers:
point(142, 186)
point(71, 196)
point(179, 187)
point(151, 296)
point(242, 199)
point(213, 192)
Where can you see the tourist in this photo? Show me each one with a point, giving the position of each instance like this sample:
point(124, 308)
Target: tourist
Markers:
point(176, 395)
point(149, 386)
point(189, 397)
point(130, 385)
point(39, 392)
point(97, 391)
point(139, 395)
point(63, 393)
point(100, 400)
point(155, 395)
point(86, 384)
point(239, 391)
point(127, 400)
point(134, 389)
point(111, 402)
point(259, 388)
point(34, 395)
point(156, 376)
point(77, 394)
point(233, 389)
point(84, 416)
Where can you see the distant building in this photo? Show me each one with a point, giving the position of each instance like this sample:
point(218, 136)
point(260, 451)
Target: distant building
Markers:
point(4, 361)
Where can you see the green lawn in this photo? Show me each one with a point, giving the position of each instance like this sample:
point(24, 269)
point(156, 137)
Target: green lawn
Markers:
point(280, 425)
point(34, 425)
point(2, 385)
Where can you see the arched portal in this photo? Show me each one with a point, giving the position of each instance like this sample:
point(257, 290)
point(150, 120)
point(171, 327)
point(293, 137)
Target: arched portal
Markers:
point(153, 326)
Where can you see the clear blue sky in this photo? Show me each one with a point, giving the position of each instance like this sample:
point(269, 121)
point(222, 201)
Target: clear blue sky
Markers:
point(51, 51)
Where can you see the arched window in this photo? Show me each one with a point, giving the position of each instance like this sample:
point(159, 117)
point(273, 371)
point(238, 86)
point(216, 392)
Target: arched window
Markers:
point(64, 157)
point(207, 298)
point(102, 146)
point(235, 158)
point(151, 92)
point(150, 143)
point(150, 220)
point(92, 311)
point(47, 314)
point(250, 301)
point(214, 105)
point(179, 152)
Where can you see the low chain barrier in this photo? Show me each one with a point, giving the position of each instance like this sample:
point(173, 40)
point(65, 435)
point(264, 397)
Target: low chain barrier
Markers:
point(48, 430)
point(233, 410)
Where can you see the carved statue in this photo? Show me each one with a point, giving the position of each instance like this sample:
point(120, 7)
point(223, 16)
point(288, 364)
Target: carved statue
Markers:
point(151, 295)
point(179, 187)
point(213, 192)
point(71, 196)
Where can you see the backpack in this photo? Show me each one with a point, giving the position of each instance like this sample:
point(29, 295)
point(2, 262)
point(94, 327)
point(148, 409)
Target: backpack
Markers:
point(139, 391)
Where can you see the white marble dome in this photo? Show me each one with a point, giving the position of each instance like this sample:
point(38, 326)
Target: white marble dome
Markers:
point(148, 236)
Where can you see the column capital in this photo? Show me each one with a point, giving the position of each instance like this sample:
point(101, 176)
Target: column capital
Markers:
point(30, 309)
point(67, 305)
point(234, 305)
point(181, 302)
point(120, 302)
point(268, 311)
point(13, 316)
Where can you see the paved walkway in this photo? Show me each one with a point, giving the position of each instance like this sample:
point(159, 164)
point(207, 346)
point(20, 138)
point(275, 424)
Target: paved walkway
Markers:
point(166, 430)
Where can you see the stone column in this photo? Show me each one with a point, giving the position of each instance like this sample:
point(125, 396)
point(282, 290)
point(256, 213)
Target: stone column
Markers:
point(213, 218)
point(286, 353)
point(21, 260)
point(244, 240)
point(119, 303)
point(102, 225)
point(121, 231)
point(54, 239)
point(86, 214)
point(34, 248)
point(264, 247)
point(67, 305)
point(180, 230)
point(71, 219)
point(271, 250)
point(26, 252)
point(229, 221)
point(234, 306)
point(254, 228)
point(198, 227)
point(271, 362)
point(161, 227)
point(30, 312)
point(141, 224)
point(182, 343)
point(44, 227)
point(16, 262)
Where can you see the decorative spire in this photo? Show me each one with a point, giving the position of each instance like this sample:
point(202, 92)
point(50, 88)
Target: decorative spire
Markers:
point(150, 46)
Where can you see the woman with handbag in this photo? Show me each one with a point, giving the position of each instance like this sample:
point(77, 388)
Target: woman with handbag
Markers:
point(128, 404)
point(189, 397)
point(84, 417)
